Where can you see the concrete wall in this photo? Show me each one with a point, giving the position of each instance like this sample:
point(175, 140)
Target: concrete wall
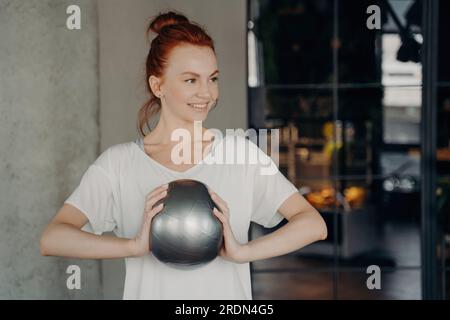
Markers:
point(123, 50)
point(49, 134)
point(57, 113)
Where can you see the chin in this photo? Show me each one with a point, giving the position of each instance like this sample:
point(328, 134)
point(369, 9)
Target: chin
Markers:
point(199, 118)
point(190, 114)
point(198, 115)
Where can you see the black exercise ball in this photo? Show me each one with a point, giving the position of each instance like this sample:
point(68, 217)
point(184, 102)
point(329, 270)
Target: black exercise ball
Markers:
point(186, 234)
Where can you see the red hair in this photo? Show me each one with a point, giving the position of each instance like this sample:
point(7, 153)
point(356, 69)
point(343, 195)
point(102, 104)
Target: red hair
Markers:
point(172, 29)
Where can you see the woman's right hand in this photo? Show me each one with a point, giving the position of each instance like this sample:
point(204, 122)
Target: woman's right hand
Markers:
point(141, 244)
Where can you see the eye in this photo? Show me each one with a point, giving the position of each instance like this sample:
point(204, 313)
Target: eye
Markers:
point(215, 79)
point(187, 81)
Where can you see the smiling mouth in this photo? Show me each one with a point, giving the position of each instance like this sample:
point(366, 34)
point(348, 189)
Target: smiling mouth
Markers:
point(198, 106)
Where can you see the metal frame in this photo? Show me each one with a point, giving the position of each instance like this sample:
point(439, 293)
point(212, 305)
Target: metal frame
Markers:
point(335, 183)
point(428, 144)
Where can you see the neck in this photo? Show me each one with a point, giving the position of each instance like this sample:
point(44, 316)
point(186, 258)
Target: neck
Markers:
point(162, 133)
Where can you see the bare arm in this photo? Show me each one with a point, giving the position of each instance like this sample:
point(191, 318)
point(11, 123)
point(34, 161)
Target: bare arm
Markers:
point(64, 237)
point(305, 226)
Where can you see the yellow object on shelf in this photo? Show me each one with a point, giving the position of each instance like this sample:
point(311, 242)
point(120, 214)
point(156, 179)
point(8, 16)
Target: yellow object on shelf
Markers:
point(326, 198)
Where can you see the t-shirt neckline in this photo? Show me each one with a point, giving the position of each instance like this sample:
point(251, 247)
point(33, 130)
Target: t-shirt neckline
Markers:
point(139, 143)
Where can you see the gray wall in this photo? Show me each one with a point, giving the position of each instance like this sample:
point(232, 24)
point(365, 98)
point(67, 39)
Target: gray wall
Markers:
point(48, 111)
point(123, 50)
point(57, 113)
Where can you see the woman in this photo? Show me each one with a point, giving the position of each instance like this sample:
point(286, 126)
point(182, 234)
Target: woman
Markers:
point(118, 191)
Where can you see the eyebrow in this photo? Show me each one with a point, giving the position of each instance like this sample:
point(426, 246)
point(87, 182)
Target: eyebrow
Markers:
point(197, 75)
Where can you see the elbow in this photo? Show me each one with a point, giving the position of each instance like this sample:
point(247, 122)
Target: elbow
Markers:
point(321, 227)
point(324, 234)
point(317, 226)
point(43, 244)
point(323, 230)
point(43, 247)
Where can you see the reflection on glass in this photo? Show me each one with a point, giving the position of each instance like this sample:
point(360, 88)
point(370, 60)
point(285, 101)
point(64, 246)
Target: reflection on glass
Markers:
point(394, 71)
point(443, 258)
point(443, 132)
point(291, 53)
point(389, 56)
point(304, 119)
point(393, 285)
point(292, 286)
point(402, 115)
point(443, 44)
point(352, 146)
point(443, 186)
point(446, 290)
point(358, 56)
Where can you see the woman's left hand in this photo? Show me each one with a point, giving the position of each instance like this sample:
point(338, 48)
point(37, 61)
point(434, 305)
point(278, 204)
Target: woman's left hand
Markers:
point(231, 249)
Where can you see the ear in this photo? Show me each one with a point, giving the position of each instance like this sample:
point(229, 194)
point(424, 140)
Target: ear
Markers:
point(155, 85)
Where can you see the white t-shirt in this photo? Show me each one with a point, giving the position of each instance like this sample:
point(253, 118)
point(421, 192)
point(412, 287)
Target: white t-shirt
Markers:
point(112, 194)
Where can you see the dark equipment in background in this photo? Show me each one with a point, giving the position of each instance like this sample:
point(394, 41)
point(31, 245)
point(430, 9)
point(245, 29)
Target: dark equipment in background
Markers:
point(410, 48)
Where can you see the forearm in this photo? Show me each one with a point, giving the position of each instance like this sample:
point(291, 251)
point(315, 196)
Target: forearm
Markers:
point(302, 230)
point(68, 241)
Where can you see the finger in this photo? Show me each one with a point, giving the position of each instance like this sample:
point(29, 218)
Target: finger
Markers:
point(152, 201)
point(157, 190)
point(155, 211)
point(146, 226)
point(225, 223)
point(224, 209)
point(222, 202)
point(219, 202)
point(220, 216)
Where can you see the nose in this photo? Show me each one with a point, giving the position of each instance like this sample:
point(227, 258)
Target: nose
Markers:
point(204, 91)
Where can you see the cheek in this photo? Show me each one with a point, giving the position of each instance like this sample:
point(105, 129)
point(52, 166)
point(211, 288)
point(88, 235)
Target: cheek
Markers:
point(179, 95)
point(215, 91)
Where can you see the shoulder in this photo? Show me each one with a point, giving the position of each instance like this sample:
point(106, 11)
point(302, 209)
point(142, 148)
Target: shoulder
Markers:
point(113, 155)
point(120, 150)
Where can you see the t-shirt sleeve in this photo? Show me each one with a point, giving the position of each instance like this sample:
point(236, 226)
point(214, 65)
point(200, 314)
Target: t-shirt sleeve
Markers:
point(95, 198)
point(270, 189)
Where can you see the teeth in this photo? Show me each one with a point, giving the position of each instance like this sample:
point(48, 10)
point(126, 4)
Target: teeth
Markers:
point(198, 106)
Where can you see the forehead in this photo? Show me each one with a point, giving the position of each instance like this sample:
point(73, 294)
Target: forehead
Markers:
point(201, 60)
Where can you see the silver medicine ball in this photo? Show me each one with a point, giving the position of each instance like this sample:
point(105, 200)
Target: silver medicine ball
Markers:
point(186, 234)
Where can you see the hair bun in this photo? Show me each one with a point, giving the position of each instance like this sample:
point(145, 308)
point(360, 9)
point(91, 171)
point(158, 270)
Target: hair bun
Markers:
point(167, 19)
